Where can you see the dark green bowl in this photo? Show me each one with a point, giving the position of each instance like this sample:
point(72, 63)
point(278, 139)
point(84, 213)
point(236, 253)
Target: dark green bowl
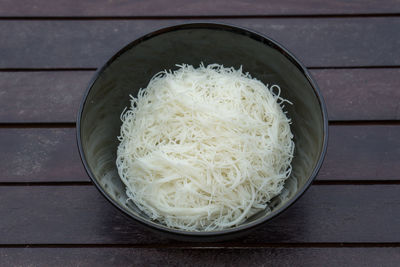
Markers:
point(98, 123)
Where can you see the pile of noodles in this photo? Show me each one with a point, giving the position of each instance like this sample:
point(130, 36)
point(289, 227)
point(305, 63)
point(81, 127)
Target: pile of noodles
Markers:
point(205, 148)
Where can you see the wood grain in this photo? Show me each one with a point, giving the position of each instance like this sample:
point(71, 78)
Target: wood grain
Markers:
point(40, 154)
point(362, 153)
point(81, 215)
point(42, 8)
point(41, 96)
point(54, 96)
point(318, 42)
point(360, 94)
point(200, 257)
point(51, 155)
point(51, 215)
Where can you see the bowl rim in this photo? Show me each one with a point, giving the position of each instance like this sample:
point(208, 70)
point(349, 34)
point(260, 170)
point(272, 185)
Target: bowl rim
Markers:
point(213, 26)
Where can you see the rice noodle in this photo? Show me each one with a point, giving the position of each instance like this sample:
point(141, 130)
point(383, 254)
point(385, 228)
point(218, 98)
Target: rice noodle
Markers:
point(205, 148)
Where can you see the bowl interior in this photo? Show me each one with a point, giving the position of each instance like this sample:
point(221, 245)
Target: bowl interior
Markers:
point(131, 69)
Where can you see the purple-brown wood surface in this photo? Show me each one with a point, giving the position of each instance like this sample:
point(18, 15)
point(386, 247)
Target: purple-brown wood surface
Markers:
point(52, 215)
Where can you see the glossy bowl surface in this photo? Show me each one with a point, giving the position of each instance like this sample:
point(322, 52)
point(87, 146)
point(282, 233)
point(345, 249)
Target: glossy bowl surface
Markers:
point(98, 122)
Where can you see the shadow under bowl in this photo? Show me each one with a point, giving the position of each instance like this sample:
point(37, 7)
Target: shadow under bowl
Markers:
point(98, 122)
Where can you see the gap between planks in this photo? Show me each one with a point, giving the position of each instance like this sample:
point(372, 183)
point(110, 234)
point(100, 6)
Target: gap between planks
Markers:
point(210, 245)
point(172, 17)
point(94, 69)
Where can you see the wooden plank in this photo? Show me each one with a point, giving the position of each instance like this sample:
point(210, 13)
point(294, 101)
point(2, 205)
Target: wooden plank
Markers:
point(200, 257)
point(51, 155)
point(54, 96)
point(41, 96)
point(360, 94)
point(81, 215)
point(362, 153)
point(42, 8)
point(318, 42)
point(39, 155)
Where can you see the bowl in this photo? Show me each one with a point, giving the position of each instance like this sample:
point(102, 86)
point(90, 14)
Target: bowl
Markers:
point(98, 122)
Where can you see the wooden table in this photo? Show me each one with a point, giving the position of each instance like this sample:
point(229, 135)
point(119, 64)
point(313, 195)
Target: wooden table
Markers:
point(50, 212)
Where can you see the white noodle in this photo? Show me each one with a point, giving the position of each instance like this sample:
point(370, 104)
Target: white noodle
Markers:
point(204, 148)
